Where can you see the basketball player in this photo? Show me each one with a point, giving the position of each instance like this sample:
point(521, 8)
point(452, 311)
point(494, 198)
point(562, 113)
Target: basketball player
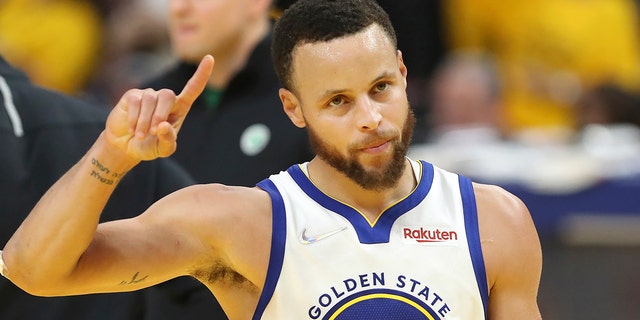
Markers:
point(359, 232)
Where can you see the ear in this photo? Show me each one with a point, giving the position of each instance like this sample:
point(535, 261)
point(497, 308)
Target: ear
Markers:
point(403, 67)
point(291, 107)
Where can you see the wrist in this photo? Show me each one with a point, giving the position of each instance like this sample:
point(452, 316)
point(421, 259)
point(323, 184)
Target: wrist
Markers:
point(107, 162)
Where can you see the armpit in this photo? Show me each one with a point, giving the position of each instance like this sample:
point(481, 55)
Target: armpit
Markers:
point(220, 274)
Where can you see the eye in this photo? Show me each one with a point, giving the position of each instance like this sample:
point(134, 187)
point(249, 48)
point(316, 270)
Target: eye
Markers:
point(337, 101)
point(381, 87)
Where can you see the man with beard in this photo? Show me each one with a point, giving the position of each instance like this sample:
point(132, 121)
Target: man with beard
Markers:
point(358, 232)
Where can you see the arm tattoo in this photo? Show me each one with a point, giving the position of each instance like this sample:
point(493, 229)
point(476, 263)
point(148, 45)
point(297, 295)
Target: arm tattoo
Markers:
point(103, 174)
point(134, 279)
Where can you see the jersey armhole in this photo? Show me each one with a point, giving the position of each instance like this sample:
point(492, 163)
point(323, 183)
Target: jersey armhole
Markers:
point(473, 238)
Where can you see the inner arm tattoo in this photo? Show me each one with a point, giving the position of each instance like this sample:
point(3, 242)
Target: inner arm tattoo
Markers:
point(134, 280)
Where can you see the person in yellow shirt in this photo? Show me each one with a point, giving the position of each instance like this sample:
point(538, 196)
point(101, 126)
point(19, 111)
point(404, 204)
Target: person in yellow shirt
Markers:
point(549, 52)
point(56, 42)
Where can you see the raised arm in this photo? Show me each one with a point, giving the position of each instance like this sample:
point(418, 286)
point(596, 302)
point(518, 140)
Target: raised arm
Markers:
point(512, 254)
point(45, 255)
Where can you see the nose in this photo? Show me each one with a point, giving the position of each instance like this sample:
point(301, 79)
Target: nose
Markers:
point(177, 6)
point(368, 114)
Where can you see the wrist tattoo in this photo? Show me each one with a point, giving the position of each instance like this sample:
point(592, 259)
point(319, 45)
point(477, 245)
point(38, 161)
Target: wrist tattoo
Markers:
point(104, 174)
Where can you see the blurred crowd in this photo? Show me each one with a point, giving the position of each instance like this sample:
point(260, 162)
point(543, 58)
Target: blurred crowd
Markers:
point(543, 72)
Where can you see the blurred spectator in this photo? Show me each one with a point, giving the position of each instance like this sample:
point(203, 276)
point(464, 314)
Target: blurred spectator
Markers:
point(609, 128)
point(42, 135)
point(56, 42)
point(237, 132)
point(608, 104)
point(136, 47)
point(465, 100)
point(548, 51)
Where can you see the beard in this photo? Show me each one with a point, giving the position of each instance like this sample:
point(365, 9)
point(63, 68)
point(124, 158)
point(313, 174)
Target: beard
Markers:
point(380, 180)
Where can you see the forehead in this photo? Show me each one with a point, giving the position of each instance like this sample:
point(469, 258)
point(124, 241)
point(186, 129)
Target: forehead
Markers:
point(343, 62)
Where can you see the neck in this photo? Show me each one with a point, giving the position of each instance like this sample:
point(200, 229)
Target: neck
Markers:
point(230, 61)
point(371, 203)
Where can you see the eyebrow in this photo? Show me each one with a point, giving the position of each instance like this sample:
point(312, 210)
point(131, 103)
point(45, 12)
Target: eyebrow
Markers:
point(328, 93)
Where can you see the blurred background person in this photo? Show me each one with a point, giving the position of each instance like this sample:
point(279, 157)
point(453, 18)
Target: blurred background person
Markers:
point(465, 132)
point(608, 104)
point(465, 100)
point(548, 51)
point(43, 133)
point(136, 47)
point(608, 125)
point(236, 132)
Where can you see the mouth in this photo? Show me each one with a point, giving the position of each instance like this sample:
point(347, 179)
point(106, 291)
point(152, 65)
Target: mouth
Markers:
point(184, 29)
point(376, 147)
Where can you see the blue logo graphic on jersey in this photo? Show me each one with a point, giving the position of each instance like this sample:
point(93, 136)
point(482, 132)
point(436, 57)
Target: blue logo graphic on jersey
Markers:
point(371, 296)
point(381, 304)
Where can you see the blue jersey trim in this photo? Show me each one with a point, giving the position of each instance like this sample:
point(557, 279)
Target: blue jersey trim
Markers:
point(367, 234)
point(473, 238)
point(278, 239)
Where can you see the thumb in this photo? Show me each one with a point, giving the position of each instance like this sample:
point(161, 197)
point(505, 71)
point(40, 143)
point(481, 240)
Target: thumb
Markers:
point(166, 143)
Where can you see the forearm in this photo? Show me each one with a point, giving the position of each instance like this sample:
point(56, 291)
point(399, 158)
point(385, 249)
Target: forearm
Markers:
point(51, 240)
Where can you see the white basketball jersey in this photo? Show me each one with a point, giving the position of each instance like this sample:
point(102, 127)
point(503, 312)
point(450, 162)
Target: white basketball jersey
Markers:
point(420, 260)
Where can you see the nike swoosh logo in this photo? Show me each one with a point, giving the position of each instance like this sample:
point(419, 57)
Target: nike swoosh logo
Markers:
point(304, 239)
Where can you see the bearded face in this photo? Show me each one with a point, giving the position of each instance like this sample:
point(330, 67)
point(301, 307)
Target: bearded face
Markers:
point(381, 179)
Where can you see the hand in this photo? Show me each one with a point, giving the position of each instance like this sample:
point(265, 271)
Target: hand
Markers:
point(145, 123)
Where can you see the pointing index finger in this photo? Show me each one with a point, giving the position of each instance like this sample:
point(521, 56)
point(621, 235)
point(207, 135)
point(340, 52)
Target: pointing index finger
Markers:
point(197, 83)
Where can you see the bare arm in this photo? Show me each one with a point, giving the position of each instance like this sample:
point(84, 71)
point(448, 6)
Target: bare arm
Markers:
point(45, 255)
point(512, 254)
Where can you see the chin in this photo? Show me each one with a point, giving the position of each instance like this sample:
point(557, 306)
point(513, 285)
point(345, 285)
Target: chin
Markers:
point(376, 162)
point(184, 54)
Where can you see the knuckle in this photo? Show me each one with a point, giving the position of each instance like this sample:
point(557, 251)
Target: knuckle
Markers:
point(148, 95)
point(166, 93)
point(133, 92)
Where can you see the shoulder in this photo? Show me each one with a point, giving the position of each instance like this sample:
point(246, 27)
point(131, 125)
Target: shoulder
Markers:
point(498, 203)
point(502, 215)
point(509, 239)
point(40, 107)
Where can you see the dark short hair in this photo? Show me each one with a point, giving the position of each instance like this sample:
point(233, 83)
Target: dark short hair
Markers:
point(310, 21)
